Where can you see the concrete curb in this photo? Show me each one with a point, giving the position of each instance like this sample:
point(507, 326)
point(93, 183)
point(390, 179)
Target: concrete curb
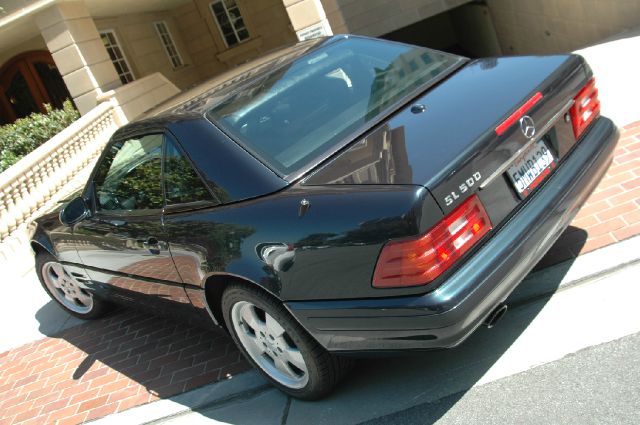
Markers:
point(239, 387)
point(582, 269)
point(585, 267)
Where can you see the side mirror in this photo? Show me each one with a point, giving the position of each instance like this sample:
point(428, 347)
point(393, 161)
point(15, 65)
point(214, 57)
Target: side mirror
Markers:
point(76, 210)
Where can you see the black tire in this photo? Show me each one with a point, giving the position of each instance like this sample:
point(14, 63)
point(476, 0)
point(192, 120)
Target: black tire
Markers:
point(324, 370)
point(97, 308)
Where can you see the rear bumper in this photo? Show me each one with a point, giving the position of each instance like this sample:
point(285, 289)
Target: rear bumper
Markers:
point(446, 316)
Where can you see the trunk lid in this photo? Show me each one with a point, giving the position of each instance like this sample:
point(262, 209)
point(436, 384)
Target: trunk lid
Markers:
point(446, 139)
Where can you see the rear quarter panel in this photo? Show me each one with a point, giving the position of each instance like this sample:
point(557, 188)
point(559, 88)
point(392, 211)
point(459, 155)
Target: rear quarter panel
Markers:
point(330, 250)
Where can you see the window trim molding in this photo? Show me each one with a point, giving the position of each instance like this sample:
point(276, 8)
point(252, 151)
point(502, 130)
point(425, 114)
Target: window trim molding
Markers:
point(124, 54)
point(173, 42)
point(215, 21)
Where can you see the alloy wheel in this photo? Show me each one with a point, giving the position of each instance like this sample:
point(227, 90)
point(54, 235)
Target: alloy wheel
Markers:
point(269, 345)
point(66, 289)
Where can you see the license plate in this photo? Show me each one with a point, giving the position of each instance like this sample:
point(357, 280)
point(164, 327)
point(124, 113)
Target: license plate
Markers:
point(531, 168)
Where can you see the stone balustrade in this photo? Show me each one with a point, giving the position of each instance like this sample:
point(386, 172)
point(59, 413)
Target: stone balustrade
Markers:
point(33, 181)
point(33, 185)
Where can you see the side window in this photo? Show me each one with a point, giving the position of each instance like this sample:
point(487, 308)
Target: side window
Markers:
point(181, 181)
point(230, 21)
point(110, 41)
point(129, 176)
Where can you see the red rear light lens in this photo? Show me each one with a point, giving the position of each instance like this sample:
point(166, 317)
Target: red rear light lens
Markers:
point(420, 261)
point(518, 114)
point(585, 108)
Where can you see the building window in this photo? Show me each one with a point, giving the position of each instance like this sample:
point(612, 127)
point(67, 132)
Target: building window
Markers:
point(116, 54)
point(230, 22)
point(169, 46)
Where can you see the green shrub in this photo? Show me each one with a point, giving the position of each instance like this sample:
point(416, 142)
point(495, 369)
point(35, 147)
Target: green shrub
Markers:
point(26, 134)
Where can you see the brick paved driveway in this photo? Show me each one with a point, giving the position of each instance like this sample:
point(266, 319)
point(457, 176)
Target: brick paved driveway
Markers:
point(132, 358)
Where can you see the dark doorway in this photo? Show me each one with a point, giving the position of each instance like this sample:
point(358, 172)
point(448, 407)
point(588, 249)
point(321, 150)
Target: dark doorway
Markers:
point(466, 30)
point(27, 82)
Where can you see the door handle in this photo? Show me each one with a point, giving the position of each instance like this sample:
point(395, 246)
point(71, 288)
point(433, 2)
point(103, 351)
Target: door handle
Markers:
point(153, 244)
point(151, 241)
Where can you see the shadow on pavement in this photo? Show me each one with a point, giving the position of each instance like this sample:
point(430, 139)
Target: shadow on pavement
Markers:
point(168, 357)
point(381, 386)
point(164, 355)
point(52, 319)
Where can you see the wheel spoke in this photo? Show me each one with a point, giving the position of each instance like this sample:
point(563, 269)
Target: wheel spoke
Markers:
point(273, 327)
point(70, 297)
point(254, 347)
point(58, 270)
point(294, 356)
point(55, 281)
point(251, 319)
point(283, 366)
point(83, 297)
point(55, 274)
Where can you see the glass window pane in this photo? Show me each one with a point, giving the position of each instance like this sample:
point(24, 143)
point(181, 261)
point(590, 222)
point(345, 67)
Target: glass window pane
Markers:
point(117, 56)
point(119, 69)
point(183, 185)
point(239, 23)
point(168, 44)
point(218, 8)
point(117, 52)
point(223, 19)
point(226, 29)
point(231, 39)
point(128, 177)
point(229, 19)
point(323, 98)
point(243, 34)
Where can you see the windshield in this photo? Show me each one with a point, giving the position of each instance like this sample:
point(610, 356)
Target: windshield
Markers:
point(306, 108)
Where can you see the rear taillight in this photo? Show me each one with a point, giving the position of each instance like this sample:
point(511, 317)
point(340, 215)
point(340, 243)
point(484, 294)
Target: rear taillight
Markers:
point(420, 261)
point(585, 108)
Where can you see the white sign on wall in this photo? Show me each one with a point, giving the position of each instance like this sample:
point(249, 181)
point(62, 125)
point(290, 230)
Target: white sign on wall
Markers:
point(314, 31)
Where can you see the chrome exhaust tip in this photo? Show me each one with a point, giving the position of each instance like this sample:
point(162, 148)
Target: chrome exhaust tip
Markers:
point(495, 315)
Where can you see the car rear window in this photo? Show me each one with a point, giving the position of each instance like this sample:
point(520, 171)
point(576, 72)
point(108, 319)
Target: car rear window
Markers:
point(299, 112)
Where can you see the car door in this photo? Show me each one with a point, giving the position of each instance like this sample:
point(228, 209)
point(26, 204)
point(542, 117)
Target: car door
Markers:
point(187, 198)
point(123, 244)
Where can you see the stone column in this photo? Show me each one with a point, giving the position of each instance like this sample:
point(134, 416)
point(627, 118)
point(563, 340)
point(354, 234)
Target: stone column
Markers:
point(307, 18)
point(76, 47)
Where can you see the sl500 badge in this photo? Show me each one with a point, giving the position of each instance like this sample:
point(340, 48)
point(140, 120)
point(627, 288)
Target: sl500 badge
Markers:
point(462, 188)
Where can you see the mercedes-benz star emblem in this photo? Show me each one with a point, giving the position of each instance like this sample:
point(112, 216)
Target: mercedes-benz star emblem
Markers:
point(527, 126)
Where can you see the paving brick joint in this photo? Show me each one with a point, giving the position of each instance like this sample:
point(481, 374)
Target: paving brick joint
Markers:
point(132, 358)
point(612, 212)
point(109, 365)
